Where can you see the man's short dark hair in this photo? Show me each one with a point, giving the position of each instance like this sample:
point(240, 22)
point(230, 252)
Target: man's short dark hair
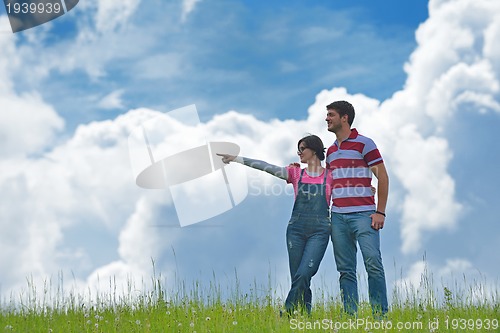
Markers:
point(343, 108)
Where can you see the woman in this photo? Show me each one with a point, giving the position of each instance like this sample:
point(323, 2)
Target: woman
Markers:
point(309, 229)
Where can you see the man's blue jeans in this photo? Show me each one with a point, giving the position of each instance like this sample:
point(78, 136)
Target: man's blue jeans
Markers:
point(347, 229)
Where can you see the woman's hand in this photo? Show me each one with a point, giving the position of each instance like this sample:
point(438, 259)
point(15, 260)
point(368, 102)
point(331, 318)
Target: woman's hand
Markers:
point(226, 158)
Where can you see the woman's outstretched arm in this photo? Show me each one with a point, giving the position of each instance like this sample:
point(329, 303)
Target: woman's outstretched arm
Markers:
point(277, 171)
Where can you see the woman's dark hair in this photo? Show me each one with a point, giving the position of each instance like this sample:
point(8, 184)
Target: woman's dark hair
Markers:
point(314, 143)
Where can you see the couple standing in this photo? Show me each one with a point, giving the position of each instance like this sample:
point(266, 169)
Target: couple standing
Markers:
point(354, 218)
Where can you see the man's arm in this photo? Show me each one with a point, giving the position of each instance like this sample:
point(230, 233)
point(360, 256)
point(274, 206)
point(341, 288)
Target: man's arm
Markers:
point(380, 172)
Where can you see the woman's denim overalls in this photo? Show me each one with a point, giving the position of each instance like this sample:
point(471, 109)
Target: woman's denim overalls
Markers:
point(307, 237)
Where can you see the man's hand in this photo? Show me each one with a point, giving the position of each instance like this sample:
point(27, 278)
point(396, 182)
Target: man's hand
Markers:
point(378, 221)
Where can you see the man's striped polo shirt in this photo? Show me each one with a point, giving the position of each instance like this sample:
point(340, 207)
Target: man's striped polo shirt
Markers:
point(350, 166)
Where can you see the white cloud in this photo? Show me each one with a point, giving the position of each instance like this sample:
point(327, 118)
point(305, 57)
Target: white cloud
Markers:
point(491, 48)
point(27, 123)
point(112, 101)
point(187, 7)
point(139, 245)
point(462, 84)
point(90, 51)
point(5, 25)
point(453, 35)
point(448, 74)
point(113, 13)
point(84, 181)
point(105, 34)
point(420, 165)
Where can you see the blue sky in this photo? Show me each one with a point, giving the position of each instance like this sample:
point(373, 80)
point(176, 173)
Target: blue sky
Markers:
point(238, 51)
point(425, 84)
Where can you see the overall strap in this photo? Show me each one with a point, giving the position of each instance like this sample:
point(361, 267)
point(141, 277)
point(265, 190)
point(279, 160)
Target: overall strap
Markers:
point(301, 174)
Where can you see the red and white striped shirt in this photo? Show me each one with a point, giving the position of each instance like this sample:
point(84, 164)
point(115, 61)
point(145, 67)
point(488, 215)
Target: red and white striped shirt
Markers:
point(350, 167)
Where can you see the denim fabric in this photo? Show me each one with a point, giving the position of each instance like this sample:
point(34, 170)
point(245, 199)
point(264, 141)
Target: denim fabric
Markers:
point(307, 237)
point(347, 229)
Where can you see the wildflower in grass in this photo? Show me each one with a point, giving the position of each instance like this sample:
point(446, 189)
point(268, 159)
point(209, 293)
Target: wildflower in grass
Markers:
point(89, 322)
point(207, 319)
point(191, 325)
point(8, 327)
point(235, 323)
point(168, 313)
point(96, 325)
point(138, 322)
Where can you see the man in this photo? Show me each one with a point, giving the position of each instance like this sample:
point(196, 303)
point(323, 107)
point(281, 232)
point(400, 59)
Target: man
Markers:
point(355, 218)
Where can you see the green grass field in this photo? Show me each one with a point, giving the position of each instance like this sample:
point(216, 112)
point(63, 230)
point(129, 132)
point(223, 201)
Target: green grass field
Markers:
point(205, 309)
